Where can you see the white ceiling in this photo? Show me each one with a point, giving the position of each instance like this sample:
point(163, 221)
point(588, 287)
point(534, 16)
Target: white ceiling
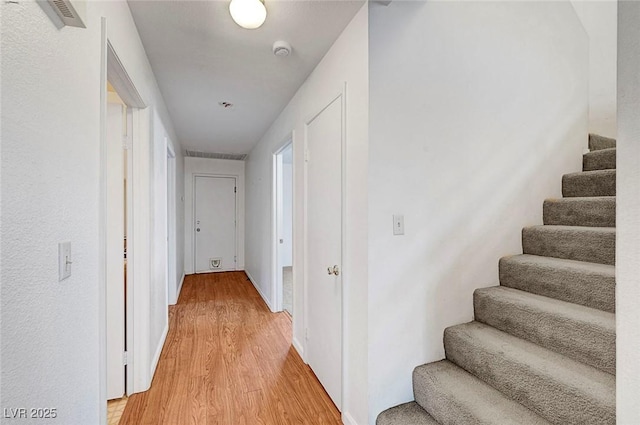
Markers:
point(201, 57)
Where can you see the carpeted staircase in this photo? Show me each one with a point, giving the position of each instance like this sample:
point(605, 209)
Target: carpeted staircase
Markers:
point(542, 347)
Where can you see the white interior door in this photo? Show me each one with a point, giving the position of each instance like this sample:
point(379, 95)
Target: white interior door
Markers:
point(324, 248)
point(215, 224)
point(115, 270)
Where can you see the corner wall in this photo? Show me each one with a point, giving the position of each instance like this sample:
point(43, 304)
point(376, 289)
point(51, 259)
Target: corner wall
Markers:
point(346, 61)
point(476, 111)
point(627, 215)
point(600, 21)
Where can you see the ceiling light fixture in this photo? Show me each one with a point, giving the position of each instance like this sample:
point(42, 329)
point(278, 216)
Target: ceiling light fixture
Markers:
point(249, 14)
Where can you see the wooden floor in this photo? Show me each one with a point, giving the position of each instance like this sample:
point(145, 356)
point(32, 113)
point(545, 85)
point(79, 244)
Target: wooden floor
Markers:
point(228, 361)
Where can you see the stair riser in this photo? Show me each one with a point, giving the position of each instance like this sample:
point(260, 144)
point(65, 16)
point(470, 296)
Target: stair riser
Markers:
point(599, 160)
point(599, 142)
point(589, 246)
point(589, 343)
point(542, 393)
point(580, 212)
point(584, 288)
point(588, 184)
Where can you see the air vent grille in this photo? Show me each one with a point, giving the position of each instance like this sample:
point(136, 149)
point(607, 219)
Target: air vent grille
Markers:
point(231, 156)
point(64, 10)
point(68, 13)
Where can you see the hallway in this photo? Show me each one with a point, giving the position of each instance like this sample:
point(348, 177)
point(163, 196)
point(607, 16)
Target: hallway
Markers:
point(228, 360)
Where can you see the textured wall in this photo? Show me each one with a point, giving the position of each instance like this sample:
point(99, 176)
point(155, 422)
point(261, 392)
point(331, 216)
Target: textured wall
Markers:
point(476, 110)
point(627, 215)
point(50, 169)
point(346, 61)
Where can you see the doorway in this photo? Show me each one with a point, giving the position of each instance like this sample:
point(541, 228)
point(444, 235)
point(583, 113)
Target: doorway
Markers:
point(116, 250)
point(283, 227)
point(324, 137)
point(215, 219)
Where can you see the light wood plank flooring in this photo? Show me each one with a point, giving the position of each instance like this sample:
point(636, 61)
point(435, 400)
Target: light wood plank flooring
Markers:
point(228, 361)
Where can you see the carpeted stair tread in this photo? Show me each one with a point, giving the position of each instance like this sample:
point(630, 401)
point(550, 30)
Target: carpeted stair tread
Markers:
point(588, 211)
point(589, 183)
point(453, 396)
point(604, 159)
point(590, 244)
point(405, 414)
point(581, 333)
point(597, 142)
point(589, 284)
point(560, 389)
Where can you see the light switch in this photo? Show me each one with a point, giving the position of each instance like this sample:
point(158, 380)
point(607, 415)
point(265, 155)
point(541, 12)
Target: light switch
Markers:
point(64, 260)
point(398, 224)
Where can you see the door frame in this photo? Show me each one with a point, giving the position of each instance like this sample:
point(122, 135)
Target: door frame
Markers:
point(342, 95)
point(276, 278)
point(172, 278)
point(193, 214)
point(138, 378)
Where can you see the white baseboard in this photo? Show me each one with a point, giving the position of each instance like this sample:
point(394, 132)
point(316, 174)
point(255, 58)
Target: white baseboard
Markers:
point(156, 357)
point(347, 419)
point(255, 285)
point(180, 287)
point(298, 346)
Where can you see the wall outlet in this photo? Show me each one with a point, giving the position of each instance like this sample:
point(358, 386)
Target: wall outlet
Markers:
point(64, 260)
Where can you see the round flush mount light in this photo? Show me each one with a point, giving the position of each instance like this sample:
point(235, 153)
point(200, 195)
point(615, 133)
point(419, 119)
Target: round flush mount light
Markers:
point(249, 14)
point(281, 48)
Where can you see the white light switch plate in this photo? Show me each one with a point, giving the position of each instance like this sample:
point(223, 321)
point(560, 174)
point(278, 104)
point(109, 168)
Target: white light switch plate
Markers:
point(398, 224)
point(64, 260)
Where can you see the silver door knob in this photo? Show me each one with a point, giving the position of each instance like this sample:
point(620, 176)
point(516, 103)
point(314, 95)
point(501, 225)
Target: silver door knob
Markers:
point(333, 270)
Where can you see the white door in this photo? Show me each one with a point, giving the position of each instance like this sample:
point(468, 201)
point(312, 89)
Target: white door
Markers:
point(115, 251)
point(324, 248)
point(215, 224)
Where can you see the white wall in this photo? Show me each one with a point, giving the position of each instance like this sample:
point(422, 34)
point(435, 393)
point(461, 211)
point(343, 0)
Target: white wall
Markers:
point(50, 193)
point(347, 62)
point(600, 21)
point(627, 218)
point(476, 111)
point(194, 166)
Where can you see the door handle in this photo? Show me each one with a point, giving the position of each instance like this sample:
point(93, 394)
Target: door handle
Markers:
point(333, 270)
point(198, 229)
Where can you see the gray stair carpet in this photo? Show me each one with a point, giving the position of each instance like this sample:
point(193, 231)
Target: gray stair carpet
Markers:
point(542, 347)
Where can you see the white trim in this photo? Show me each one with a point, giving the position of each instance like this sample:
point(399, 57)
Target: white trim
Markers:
point(180, 287)
point(298, 346)
point(255, 285)
point(276, 278)
point(156, 356)
point(193, 218)
point(102, 233)
point(347, 419)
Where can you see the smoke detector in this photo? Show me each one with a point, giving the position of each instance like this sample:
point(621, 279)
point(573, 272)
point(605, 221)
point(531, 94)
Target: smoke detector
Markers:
point(281, 48)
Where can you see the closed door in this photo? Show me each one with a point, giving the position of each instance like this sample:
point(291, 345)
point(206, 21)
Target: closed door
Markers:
point(215, 224)
point(324, 247)
point(115, 262)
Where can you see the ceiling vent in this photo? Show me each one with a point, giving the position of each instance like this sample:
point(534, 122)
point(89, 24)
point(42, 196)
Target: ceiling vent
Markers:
point(230, 156)
point(67, 13)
